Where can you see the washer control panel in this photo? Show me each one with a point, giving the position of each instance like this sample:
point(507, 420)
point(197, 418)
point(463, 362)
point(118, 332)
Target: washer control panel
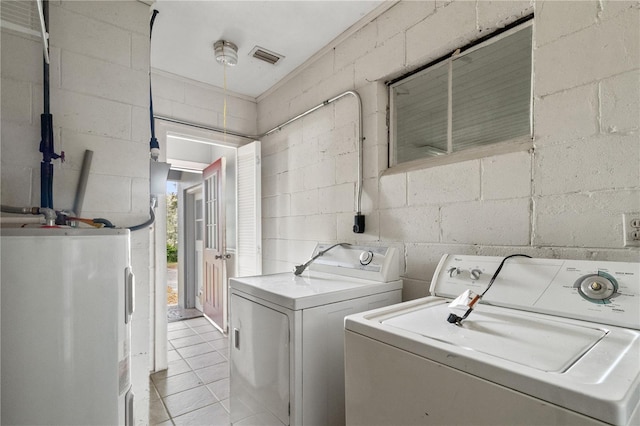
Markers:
point(598, 291)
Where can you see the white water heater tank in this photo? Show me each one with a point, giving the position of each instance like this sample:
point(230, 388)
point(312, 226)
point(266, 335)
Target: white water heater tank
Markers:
point(67, 301)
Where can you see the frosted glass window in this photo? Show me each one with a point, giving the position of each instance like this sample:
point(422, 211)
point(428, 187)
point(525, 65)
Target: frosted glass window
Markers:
point(475, 98)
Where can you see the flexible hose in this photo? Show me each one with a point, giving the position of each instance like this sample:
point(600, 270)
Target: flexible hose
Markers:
point(152, 218)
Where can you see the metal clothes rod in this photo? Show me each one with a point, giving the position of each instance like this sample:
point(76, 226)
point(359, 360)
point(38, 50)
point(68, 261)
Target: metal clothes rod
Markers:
point(203, 127)
point(360, 138)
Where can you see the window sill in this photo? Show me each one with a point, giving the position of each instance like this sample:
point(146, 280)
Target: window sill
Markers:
point(507, 147)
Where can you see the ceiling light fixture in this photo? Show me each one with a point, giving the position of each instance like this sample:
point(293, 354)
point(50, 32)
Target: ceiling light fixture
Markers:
point(226, 52)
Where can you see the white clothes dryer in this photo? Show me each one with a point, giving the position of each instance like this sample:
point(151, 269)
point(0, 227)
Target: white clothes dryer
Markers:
point(552, 342)
point(287, 331)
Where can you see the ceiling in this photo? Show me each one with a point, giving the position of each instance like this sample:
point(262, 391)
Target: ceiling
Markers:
point(184, 33)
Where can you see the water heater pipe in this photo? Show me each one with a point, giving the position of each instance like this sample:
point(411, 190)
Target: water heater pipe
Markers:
point(82, 182)
point(46, 132)
point(49, 214)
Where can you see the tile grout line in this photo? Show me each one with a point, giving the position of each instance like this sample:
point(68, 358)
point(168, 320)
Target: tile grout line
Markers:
point(224, 356)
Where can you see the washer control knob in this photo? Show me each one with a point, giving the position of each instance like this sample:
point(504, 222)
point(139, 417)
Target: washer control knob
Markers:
point(366, 257)
point(597, 288)
point(453, 271)
point(475, 274)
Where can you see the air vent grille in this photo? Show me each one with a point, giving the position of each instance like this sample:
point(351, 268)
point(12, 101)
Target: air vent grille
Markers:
point(20, 16)
point(266, 55)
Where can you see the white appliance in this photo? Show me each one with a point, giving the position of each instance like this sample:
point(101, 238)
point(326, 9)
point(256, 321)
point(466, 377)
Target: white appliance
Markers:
point(552, 342)
point(67, 301)
point(287, 349)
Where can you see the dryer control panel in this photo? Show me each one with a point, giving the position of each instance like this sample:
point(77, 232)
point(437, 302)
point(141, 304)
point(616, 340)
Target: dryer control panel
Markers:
point(375, 263)
point(598, 291)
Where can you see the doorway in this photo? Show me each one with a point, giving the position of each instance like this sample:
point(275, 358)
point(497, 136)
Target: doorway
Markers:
point(189, 151)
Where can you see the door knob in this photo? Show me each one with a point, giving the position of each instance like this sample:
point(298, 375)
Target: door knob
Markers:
point(223, 256)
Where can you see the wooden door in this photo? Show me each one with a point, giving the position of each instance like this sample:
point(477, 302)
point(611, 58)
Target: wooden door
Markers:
point(214, 251)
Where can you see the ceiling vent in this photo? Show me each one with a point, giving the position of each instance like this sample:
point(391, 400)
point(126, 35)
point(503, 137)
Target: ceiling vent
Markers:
point(266, 55)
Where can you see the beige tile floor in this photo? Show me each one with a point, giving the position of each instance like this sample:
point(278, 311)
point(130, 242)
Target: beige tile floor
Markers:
point(194, 390)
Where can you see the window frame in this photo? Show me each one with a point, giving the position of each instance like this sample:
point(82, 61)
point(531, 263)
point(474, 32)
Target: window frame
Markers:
point(520, 143)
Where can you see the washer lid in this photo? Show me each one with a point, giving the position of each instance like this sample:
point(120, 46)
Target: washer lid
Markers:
point(506, 334)
point(311, 289)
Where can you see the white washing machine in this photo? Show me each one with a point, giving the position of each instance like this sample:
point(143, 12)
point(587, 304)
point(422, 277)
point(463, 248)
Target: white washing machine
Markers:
point(286, 334)
point(552, 342)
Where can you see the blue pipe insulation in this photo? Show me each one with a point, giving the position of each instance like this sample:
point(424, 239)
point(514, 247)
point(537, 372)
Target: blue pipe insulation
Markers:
point(46, 133)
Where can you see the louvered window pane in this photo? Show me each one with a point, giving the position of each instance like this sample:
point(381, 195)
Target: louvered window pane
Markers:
point(491, 92)
point(421, 115)
point(478, 98)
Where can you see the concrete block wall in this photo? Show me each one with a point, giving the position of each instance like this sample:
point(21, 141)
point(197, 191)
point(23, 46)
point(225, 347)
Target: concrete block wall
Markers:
point(563, 198)
point(184, 99)
point(99, 101)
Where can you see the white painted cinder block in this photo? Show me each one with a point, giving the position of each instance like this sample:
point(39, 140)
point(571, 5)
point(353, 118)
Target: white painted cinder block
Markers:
point(346, 168)
point(609, 48)
point(319, 70)
point(269, 185)
point(498, 14)
point(305, 203)
point(339, 141)
point(450, 27)
point(410, 224)
point(275, 163)
point(21, 58)
point(369, 200)
point(583, 219)
point(126, 16)
point(105, 194)
point(16, 102)
point(140, 52)
point(620, 103)
point(385, 59)
point(320, 174)
point(277, 206)
point(302, 155)
point(89, 37)
point(401, 16)
point(318, 227)
point(110, 156)
point(445, 184)
point(88, 114)
point(506, 176)
point(14, 138)
point(359, 44)
point(555, 19)
point(502, 222)
point(291, 181)
point(336, 199)
point(592, 164)
point(393, 191)
point(567, 115)
point(291, 226)
point(168, 88)
point(317, 123)
point(612, 8)
point(17, 185)
point(96, 77)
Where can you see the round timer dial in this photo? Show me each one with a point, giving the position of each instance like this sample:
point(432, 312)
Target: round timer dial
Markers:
point(597, 288)
point(366, 257)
